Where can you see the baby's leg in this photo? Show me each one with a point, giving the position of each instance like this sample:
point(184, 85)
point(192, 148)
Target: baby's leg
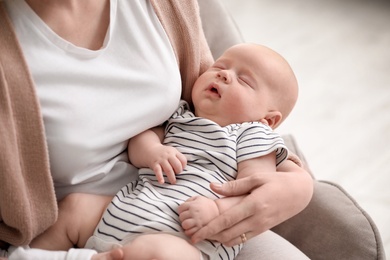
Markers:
point(114, 254)
point(198, 211)
point(78, 215)
point(161, 247)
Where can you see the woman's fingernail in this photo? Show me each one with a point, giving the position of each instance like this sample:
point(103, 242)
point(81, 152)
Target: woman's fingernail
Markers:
point(217, 185)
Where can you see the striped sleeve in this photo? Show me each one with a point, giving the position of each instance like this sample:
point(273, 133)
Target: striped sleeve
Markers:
point(256, 139)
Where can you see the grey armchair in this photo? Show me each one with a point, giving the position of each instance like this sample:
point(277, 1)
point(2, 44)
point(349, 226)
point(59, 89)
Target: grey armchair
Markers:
point(333, 226)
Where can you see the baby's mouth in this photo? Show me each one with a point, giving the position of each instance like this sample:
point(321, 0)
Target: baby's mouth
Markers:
point(214, 88)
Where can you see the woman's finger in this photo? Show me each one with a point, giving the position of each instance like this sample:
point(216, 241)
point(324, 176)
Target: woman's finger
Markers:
point(229, 236)
point(241, 239)
point(238, 187)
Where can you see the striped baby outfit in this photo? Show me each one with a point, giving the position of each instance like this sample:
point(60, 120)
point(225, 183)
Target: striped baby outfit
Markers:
point(212, 152)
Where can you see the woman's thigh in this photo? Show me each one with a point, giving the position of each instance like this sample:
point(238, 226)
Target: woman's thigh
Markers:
point(270, 245)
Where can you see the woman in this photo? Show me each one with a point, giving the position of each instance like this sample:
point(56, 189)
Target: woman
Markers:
point(98, 73)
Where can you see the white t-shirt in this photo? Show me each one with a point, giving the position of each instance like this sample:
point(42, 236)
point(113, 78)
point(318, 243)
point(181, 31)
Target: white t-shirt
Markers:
point(94, 101)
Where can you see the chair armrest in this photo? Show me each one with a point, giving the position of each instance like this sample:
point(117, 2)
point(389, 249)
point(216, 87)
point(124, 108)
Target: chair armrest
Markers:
point(333, 226)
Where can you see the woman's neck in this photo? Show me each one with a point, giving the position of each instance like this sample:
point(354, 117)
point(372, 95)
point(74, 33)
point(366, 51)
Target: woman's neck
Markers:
point(83, 23)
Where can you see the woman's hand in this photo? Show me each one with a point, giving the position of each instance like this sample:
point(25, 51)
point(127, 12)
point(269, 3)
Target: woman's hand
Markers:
point(272, 198)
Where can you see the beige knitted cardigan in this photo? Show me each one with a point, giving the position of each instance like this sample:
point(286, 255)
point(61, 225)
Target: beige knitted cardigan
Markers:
point(27, 199)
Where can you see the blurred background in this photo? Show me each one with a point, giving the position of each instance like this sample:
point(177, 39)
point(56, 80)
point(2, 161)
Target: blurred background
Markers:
point(340, 52)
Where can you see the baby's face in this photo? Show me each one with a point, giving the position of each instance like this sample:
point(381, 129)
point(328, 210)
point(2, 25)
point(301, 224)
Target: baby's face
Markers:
point(236, 88)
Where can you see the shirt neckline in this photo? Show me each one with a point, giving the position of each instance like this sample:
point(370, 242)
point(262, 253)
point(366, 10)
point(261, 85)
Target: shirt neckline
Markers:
point(64, 44)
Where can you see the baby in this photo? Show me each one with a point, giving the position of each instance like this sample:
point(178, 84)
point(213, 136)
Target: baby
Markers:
point(237, 102)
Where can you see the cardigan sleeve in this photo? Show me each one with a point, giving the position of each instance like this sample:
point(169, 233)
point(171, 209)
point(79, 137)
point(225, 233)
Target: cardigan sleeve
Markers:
point(27, 200)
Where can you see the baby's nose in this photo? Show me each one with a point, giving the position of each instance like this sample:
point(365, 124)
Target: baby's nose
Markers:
point(224, 76)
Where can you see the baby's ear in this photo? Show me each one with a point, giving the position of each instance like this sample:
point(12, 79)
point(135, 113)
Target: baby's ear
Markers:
point(273, 118)
point(263, 121)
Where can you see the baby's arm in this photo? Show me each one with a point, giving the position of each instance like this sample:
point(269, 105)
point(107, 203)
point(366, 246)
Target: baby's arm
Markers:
point(146, 150)
point(266, 164)
point(197, 211)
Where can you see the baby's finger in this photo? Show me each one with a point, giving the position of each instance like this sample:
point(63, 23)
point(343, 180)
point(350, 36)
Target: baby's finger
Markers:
point(188, 224)
point(169, 172)
point(185, 206)
point(183, 215)
point(171, 176)
point(159, 174)
point(191, 231)
point(176, 165)
point(183, 159)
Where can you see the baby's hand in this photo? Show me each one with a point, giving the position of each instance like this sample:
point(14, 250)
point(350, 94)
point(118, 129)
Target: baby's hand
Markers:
point(196, 213)
point(168, 160)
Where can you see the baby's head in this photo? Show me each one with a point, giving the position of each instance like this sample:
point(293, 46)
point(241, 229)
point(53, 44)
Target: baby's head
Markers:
point(249, 82)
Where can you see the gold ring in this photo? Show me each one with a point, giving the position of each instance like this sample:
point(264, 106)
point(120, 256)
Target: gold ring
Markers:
point(243, 238)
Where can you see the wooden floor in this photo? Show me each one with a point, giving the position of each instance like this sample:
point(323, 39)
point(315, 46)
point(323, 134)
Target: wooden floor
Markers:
point(340, 51)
